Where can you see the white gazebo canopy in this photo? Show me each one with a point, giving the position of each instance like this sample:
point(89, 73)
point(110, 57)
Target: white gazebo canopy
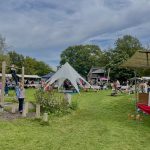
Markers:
point(67, 72)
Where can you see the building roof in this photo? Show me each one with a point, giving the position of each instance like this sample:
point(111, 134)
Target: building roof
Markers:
point(20, 75)
point(99, 71)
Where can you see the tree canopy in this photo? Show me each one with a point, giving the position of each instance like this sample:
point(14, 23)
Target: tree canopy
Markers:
point(31, 65)
point(3, 54)
point(82, 57)
point(124, 48)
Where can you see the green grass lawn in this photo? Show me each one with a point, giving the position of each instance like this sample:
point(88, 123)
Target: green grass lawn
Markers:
point(100, 123)
point(29, 95)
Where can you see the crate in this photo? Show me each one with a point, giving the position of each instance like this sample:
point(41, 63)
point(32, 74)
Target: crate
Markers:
point(143, 98)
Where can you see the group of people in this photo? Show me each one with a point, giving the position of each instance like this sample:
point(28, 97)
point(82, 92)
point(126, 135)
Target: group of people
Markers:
point(100, 84)
point(142, 86)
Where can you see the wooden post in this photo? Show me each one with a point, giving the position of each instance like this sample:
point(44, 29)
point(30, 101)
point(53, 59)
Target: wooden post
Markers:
point(1, 109)
point(24, 113)
point(27, 107)
point(22, 76)
point(108, 76)
point(13, 110)
point(45, 117)
point(148, 98)
point(136, 91)
point(67, 97)
point(3, 83)
point(37, 110)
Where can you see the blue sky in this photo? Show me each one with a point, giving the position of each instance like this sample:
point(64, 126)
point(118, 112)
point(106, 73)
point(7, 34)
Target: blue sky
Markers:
point(44, 28)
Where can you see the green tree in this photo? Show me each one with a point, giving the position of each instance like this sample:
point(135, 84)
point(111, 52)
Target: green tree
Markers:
point(31, 65)
point(16, 59)
point(3, 53)
point(124, 48)
point(127, 46)
point(82, 57)
point(43, 68)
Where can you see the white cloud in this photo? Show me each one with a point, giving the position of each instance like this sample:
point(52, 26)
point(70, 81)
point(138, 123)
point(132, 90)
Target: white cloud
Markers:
point(43, 28)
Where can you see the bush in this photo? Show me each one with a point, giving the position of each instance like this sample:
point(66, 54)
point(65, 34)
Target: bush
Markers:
point(74, 105)
point(51, 102)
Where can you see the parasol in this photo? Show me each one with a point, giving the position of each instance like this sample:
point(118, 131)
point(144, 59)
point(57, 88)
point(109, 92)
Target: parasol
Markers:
point(141, 59)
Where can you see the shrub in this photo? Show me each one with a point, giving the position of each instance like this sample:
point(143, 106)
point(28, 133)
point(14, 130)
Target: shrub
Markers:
point(74, 105)
point(51, 102)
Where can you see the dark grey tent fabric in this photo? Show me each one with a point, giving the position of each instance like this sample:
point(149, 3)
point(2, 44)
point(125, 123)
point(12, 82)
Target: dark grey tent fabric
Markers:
point(47, 76)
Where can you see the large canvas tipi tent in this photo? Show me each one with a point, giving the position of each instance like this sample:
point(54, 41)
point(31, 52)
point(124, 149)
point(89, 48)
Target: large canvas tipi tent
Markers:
point(67, 72)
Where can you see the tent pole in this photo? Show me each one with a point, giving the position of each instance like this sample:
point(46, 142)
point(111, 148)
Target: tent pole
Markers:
point(3, 82)
point(108, 75)
point(22, 76)
point(135, 90)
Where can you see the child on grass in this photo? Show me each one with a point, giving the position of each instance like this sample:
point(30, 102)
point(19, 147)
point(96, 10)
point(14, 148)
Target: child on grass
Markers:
point(21, 97)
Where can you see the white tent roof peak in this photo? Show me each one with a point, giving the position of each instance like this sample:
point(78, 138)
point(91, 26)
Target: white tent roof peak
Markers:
point(66, 71)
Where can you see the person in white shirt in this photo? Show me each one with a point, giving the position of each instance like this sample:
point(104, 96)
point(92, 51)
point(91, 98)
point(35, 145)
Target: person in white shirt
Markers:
point(21, 96)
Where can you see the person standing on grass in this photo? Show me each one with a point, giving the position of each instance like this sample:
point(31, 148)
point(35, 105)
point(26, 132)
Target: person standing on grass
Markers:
point(114, 88)
point(21, 96)
point(6, 87)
